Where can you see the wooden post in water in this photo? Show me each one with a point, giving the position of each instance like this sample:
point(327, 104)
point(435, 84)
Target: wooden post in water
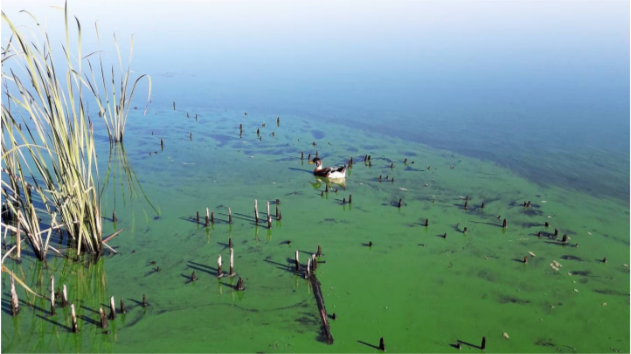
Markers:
point(314, 262)
point(219, 272)
point(207, 220)
point(302, 155)
point(308, 271)
point(297, 260)
point(382, 345)
point(52, 295)
point(64, 296)
point(400, 202)
point(103, 318)
point(229, 215)
point(212, 217)
point(114, 218)
point(15, 304)
point(75, 328)
point(482, 206)
point(319, 253)
point(278, 121)
point(326, 188)
point(483, 345)
point(504, 223)
point(256, 211)
point(112, 315)
point(546, 224)
point(174, 105)
point(269, 217)
point(350, 199)
point(240, 286)
point(197, 217)
point(144, 301)
point(232, 262)
point(122, 306)
point(466, 204)
point(426, 222)
point(464, 231)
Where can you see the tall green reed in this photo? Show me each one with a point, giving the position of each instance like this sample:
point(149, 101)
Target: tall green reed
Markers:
point(50, 139)
point(116, 110)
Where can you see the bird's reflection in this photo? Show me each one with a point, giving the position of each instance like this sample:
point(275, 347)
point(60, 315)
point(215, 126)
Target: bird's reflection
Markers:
point(319, 181)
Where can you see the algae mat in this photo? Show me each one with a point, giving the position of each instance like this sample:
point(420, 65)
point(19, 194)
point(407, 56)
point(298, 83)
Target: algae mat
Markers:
point(420, 290)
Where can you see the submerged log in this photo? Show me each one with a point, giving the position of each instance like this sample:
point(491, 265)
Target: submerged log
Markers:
point(317, 292)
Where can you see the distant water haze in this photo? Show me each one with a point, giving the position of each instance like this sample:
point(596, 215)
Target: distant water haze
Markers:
point(541, 87)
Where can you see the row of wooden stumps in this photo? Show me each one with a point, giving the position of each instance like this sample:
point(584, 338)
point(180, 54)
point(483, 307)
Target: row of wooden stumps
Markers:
point(15, 305)
point(210, 216)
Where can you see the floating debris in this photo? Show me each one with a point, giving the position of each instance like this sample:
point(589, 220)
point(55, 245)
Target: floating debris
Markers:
point(532, 254)
point(505, 335)
point(575, 290)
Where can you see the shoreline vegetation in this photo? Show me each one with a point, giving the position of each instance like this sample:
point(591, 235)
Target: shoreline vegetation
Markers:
point(50, 183)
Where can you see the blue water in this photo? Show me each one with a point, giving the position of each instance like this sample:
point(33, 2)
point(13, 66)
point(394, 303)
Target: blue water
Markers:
point(539, 87)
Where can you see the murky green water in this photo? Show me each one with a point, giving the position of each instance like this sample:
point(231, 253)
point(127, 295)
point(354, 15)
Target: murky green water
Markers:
point(420, 291)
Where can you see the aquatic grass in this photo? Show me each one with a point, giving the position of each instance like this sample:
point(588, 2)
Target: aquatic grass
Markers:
point(116, 110)
point(59, 140)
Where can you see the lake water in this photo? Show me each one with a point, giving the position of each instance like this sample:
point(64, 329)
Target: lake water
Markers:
point(501, 103)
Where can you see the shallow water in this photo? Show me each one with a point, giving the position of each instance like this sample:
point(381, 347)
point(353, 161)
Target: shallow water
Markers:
point(554, 139)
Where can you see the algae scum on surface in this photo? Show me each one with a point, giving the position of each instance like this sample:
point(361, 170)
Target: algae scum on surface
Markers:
point(383, 273)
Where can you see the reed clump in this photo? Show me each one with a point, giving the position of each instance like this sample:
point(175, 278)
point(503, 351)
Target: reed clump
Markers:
point(51, 164)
